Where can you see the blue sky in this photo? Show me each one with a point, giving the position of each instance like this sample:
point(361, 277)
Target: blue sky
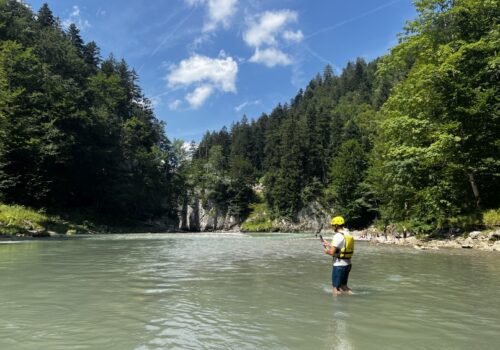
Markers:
point(205, 63)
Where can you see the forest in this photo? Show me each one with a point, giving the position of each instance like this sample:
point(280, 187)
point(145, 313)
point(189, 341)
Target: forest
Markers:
point(410, 138)
point(77, 133)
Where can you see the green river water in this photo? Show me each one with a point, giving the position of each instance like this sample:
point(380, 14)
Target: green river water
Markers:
point(235, 291)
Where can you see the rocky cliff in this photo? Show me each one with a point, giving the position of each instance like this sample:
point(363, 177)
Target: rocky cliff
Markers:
point(312, 218)
point(198, 216)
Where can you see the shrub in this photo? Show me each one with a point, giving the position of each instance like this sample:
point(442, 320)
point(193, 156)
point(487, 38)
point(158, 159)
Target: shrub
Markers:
point(18, 219)
point(259, 219)
point(491, 218)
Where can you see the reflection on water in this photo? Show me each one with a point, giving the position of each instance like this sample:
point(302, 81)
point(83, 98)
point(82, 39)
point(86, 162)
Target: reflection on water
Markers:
point(227, 291)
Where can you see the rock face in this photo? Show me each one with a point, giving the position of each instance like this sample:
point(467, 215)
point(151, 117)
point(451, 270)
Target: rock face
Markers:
point(196, 216)
point(312, 218)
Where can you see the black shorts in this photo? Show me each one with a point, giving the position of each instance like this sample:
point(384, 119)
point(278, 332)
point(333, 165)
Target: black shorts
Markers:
point(340, 275)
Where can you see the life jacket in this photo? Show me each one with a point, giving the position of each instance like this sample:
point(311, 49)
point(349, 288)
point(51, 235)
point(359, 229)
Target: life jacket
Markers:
point(348, 250)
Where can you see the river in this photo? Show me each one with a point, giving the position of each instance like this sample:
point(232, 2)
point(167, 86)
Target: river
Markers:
point(236, 291)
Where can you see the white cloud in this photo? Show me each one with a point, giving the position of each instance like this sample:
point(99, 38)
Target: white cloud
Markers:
point(199, 95)
point(100, 12)
point(76, 18)
point(206, 75)
point(266, 32)
point(222, 54)
point(219, 13)
point(218, 72)
point(195, 2)
point(246, 103)
point(241, 106)
point(271, 57)
point(24, 4)
point(267, 27)
point(174, 105)
point(297, 36)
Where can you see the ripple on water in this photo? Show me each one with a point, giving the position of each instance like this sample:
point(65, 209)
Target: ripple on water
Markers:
point(240, 292)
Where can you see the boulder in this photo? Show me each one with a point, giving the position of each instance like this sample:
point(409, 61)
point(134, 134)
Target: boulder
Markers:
point(468, 243)
point(475, 234)
point(494, 236)
point(70, 232)
point(39, 233)
point(496, 246)
point(485, 246)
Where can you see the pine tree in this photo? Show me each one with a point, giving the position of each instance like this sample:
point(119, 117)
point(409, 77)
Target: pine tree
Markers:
point(347, 172)
point(328, 74)
point(91, 56)
point(285, 193)
point(73, 34)
point(45, 17)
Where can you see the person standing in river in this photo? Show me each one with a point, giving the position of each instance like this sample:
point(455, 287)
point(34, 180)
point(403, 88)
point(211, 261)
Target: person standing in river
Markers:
point(341, 249)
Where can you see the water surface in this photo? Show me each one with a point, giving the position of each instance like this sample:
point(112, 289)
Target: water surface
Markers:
point(235, 291)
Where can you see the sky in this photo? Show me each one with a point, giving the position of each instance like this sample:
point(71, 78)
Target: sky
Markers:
point(206, 63)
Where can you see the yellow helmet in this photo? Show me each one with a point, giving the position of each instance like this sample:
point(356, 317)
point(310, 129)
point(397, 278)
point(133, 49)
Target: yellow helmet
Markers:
point(338, 220)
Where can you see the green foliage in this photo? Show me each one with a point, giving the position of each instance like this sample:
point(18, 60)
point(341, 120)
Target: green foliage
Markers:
point(436, 154)
point(259, 219)
point(348, 171)
point(284, 193)
point(17, 219)
point(491, 218)
point(241, 194)
point(81, 133)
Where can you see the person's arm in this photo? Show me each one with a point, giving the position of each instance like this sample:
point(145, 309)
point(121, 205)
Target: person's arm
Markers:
point(330, 250)
point(336, 242)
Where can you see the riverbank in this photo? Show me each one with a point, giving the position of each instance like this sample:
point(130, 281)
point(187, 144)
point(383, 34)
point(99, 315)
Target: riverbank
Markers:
point(488, 240)
point(23, 222)
point(20, 221)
